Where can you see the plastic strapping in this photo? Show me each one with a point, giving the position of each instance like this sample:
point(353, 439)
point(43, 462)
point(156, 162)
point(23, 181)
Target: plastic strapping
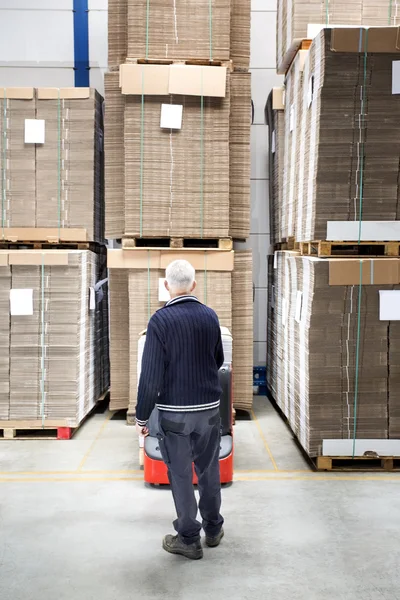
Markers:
point(361, 192)
point(4, 163)
point(141, 157)
point(147, 27)
point(210, 17)
point(59, 163)
point(201, 158)
point(42, 340)
point(326, 12)
point(390, 9)
point(148, 287)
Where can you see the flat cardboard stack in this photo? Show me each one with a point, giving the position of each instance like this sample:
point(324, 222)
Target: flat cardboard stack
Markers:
point(57, 336)
point(295, 16)
point(52, 185)
point(240, 34)
point(314, 311)
point(224, 283)
point(5, 286)
point(275, 117)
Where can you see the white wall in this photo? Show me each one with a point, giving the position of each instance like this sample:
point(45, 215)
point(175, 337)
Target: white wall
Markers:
point(37, 49)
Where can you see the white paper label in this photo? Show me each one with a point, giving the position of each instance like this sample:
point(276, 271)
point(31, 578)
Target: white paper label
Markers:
point(92, 299)
point(275, 260)
point(163, 293)
point(284, 316)
point(291, 118)
point(34, 131)
point(299, 306)
point(389, 305)
point(21, 302)
point(273, 142)
point(310, 91)
point(171, 116)
point(396, 77)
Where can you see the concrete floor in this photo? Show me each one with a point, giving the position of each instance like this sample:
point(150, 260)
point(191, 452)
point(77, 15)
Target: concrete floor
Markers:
point(77, 523)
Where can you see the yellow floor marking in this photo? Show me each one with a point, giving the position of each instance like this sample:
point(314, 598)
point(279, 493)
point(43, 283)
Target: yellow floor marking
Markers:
point(256, 421)
point(96, 439)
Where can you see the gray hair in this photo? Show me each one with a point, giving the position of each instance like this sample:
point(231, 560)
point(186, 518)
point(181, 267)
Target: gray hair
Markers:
point(180, 276)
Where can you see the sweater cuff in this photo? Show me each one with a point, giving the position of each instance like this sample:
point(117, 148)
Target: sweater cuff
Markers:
point(141, 423)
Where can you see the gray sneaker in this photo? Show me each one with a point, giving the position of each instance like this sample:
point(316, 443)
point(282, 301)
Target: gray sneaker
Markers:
point(173, 545)
point(213, 542)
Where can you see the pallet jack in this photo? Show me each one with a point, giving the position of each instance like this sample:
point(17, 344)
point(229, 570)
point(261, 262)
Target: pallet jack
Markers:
point(155, 470)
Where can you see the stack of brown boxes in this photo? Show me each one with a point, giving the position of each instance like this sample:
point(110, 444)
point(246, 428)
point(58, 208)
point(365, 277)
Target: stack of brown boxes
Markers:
point(332, 322)
point(177, 142)
point(54, 363)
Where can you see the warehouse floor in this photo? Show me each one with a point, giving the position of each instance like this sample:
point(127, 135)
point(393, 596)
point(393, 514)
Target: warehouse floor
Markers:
point(77, 523)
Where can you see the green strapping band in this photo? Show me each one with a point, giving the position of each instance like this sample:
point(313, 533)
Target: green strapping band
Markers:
point(4, 161)
point(210, 17)
point(147, 28)
point(141, 157)
point(201, 159)
point(42, 343)
point(326, 12)
point(390, 12)
point(148, 287)
point(361, 188)
point(59, 163)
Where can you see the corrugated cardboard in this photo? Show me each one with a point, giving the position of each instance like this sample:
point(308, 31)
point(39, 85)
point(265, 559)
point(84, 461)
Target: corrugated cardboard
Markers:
point(373, 39)
point(40, 234)
point(377, 271)
point(75, 93)
point(160, 80)
point(35, 257)
point(160, 259)
point(278, 98)
point(17, 93)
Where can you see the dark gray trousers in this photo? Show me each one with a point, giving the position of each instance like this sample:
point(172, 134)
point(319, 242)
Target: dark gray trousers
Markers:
point(187, 438)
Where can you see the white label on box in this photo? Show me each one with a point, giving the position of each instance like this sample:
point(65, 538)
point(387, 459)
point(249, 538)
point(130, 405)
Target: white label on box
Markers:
point(21, 302)
point(171, 116)
point(34, 131)
point(284, 316)
point(389, 305)
point(310, 91)
point(273, 142)
point(291, 118)
point(396, 77)
point(275, 260)
point(299, 306)
point(92, 299)
point(163, 293)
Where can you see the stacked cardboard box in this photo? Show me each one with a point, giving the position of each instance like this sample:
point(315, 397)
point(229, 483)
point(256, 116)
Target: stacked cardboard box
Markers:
point(187, 30)
point(315, 336)
point(224, 282)
point(52, 189)
point(275, 118)
point(54, 330)
point(295, 17)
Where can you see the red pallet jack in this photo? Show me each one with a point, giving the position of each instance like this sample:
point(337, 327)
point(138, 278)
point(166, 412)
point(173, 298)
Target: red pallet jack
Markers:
point(155, 471)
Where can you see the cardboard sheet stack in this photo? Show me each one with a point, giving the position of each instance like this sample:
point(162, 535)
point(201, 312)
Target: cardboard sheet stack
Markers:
point(295, 16)
point(313, 318)
point(52, 178)
point(186, 30)
point(342, 137)
point(224, 283)
point(275, 118)
point(54, 335)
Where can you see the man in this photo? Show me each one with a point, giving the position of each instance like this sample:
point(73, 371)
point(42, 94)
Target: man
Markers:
point(181, 358)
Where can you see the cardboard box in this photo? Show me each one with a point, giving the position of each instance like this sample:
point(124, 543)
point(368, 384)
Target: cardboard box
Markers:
point(374, 271)
point(160, 259)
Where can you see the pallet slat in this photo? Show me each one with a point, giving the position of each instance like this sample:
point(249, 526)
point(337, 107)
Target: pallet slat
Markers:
point(225, 244)
point(358, 463)
point(344, 249)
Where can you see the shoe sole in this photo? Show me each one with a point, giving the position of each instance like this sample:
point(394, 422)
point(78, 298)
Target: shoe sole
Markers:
point(215, 544)
point(198, 556)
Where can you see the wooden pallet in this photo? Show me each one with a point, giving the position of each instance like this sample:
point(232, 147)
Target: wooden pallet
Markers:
point(290, 55)
point(358, 463)
point(200, 62)
point(130, 243)
point(46, 245)
point(53, 429)
point(288, 244)
point(352, 249)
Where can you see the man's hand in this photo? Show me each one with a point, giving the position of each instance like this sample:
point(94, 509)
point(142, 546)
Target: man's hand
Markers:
point(142, 431)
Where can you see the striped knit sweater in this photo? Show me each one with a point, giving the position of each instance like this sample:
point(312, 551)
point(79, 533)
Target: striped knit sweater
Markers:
point(181, 358)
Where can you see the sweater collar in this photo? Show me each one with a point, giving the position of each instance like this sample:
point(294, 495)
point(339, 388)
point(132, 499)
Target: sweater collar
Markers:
point(179, 299)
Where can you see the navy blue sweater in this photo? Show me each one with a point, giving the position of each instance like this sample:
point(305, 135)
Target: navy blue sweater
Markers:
point(182, 355)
